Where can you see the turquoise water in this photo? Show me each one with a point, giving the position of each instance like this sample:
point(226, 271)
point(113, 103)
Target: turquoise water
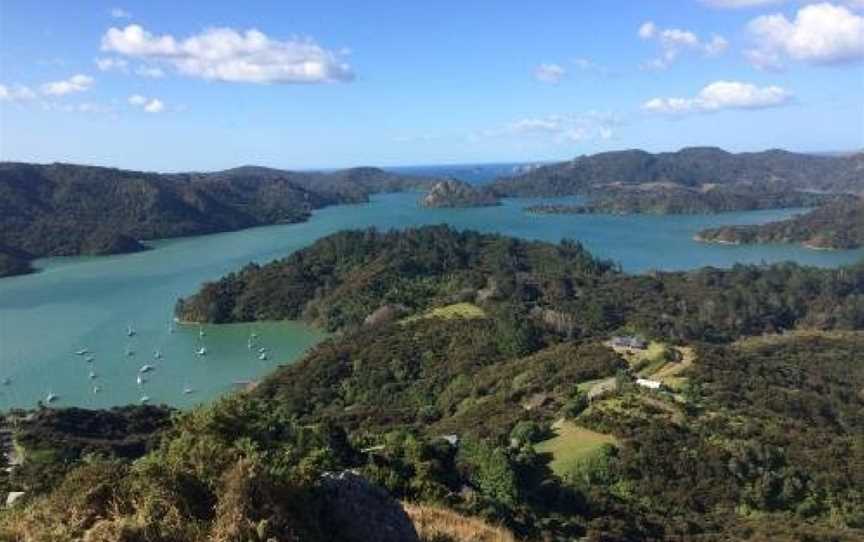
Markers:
point(77, 303)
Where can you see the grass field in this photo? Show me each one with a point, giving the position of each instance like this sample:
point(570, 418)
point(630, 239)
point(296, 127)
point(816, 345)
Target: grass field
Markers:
point(570, 445)
point(457, 310)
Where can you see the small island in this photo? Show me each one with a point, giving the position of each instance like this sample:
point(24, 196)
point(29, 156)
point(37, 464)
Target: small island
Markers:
point(835, 226)
point(453, 193)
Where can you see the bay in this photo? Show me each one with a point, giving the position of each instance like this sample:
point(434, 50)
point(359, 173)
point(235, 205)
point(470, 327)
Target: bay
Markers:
point(88, 302)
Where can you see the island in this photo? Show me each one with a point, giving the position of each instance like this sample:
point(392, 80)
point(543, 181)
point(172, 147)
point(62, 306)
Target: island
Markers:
point(68, 209)
point(454, 193)
point(834, 226)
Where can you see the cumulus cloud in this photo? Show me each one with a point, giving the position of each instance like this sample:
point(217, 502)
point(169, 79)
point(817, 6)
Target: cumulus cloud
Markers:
point(561, 129)
point(76, 83)
point(225, 54)
point(120, 13)
point(108, 64)
point(17, 93)
point(675, 41)
point(820, 34)
point(148, 105)
point(549, 73)
point(721, 95)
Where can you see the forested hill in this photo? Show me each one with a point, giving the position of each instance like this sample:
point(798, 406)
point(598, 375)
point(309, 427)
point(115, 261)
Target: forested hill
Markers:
point(474, 372)
point(693, 167)
point(835, 226)
point(344, 279)
point(65, 209)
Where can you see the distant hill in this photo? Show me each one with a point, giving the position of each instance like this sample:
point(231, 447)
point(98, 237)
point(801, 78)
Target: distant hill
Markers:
point(838, 225)
point(689, 167)
point(66, 209)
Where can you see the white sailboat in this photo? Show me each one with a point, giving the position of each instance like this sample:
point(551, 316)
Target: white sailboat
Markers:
point(187, 389)
point(140, 380)
point(202, 351)
point(145, 399)
point(92, 375)
point(97, 389)
point(263, 356)
point(146, 368)
point(82, 352)
point(130, 331)
point(51, 397)
point(201, 331)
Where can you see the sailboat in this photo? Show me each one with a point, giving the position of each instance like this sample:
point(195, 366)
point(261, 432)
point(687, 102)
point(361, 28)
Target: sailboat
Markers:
point(90, 359)
point(140, 380)
point(82, 352)
point(130, 331)
point(145, 399)
point(97, 389)
point(262, 350)
point(145, 368)
point(201, 331)
point(92, 375)
point(263, 356)
point(51, 397)
point(202, 351)
point(187, 389)
point(157, 354)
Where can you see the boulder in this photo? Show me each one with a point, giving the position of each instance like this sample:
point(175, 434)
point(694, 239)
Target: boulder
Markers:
point(358, 511)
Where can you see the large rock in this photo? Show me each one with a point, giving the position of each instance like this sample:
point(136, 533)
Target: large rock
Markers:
point(358, 511)
point(453, 193)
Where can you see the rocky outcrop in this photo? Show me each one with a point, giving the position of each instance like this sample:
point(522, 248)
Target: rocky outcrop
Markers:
point(453, 193)
point(358, 511)
point(386, 314)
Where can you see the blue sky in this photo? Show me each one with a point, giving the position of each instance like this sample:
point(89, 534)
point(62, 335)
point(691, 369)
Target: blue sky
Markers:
point(186, 86)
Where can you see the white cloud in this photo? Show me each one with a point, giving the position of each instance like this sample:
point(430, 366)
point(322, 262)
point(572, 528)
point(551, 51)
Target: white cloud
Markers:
point(149, 105)
point(149, 71)
point(225, 54)
point(549, 73)
point(76, 83)
point(560, 129)
point(647, 31)
point(820, 34)
point(721, 95)
point(120, 13)
point(154, 106)
point(18, 93)
point(108, 64)
point(674, 41)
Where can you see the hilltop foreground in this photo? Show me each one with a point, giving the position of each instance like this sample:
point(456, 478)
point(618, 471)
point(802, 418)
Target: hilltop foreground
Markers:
point(474, 374)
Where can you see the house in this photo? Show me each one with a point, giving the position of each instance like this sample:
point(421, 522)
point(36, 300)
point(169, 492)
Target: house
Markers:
point(650, 384)
point(631, 342)
point(452, 439)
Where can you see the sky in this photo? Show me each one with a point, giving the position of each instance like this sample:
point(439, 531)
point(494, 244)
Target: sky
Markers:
point(179, 86)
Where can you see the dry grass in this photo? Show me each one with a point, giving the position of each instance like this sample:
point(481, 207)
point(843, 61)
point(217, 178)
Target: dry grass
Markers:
point(435, 524)
point(467, 311)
